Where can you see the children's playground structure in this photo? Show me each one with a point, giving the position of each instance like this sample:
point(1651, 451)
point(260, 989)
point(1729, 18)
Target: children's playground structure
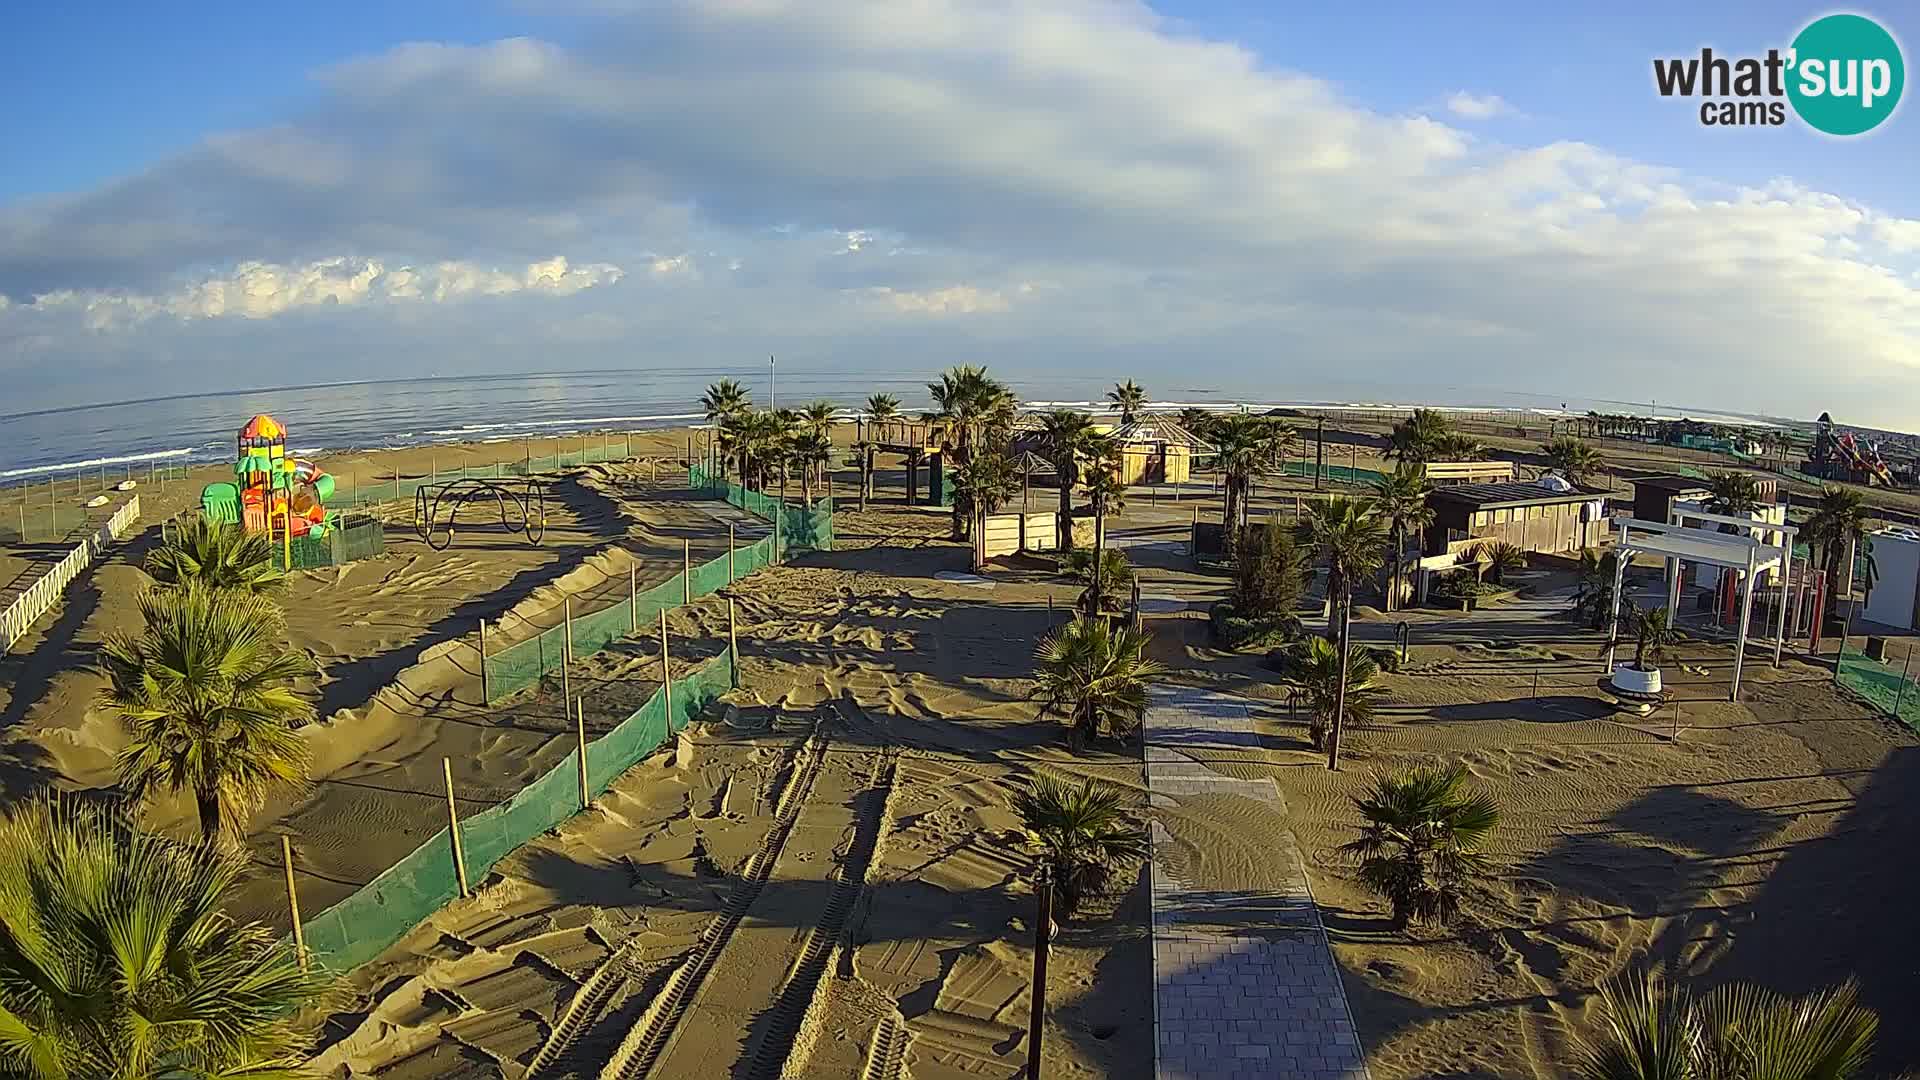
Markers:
point(1842, 457)
point(522, 505)
point(272, 493)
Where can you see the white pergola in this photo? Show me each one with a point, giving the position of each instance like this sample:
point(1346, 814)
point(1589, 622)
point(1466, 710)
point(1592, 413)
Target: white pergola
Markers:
point(1679, 543)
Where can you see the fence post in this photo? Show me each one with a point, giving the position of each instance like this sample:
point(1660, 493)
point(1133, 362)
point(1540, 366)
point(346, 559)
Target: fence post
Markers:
point(666, 672)
point(686, 571)
point(731, 543)
point(486, 697)
point(293, 902)
point(1902, 691)
point(453, 827)
point(732, 642)
point(580, 731)
point(566, 610)
point(633, 598)
point(777, 515)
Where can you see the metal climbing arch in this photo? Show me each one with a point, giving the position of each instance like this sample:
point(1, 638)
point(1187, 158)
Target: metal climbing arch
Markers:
point(522, 505)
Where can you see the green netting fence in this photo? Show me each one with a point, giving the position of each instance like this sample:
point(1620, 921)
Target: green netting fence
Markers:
point(398, 487)
point(380, 913)
point(1889, 687)
point(1344, 474)
point(351, 540)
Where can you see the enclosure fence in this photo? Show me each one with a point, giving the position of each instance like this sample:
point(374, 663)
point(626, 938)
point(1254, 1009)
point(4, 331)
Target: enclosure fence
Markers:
point(1889, 684)
point(46, 592)
point(380, 913)
point(398, 487)
point(32, 511)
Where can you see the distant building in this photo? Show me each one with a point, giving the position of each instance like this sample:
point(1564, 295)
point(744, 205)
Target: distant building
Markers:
point(1156, 450)
point(1546, 515)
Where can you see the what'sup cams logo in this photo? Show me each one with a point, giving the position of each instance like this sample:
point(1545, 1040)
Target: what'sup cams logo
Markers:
point(1842, 75)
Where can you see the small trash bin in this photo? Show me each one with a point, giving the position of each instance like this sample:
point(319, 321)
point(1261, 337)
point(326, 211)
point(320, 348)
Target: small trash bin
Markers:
point(1877, 649)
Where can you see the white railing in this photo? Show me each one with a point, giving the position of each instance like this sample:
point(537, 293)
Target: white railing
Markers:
point(46, 592)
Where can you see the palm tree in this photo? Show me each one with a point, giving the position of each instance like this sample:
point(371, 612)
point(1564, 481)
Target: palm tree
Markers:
point(219, 555)
point(1735, 494)
point(1650, 1029)
point(1427, 435)
point(204, 693)
point(118, 961)
point(1129, 397)
point(1573, 458)
point(1095, 675)
point(1350, 536)
point(779, 431)
point(881, 409)
point(1244, 446)
point(1064, 435)
point(1318, 673)
point(1115, 574)
point(1652, 632)
point(809, 449)
point(1083, 832)
point(986, 481)
point(971, 409)
point(1593, 596)
point(1401, 500)
point(817, 419)
point(724, 401)
point(1101, 478)
point(1497, 557)
point(1838, 522)
point(1422, 840)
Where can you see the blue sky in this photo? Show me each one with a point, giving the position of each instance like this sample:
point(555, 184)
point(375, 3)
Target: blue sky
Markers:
point(1489, 192)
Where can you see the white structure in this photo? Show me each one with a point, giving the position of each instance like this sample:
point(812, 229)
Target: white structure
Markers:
point(1686, 510)
point(1679, 544)
point(1895, 599)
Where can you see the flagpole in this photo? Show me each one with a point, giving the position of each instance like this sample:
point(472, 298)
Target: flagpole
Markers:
point(772, 401)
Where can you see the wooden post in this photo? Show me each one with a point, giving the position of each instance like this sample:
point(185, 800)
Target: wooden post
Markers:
point(580, 731)
point(293, 902)
point(453, 827)
point(1043, 886)
point(731, 544)
point(633, 598)
point(566, 610)
point(666, 670)
point(286, 515)
point(485, 696)
point(732, 642)
point(686, 571)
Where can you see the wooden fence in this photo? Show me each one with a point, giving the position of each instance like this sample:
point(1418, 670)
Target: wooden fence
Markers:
point(44, 593)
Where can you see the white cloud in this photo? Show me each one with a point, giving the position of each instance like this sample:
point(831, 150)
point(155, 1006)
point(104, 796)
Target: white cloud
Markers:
point(934, 158)
point(1478, 106)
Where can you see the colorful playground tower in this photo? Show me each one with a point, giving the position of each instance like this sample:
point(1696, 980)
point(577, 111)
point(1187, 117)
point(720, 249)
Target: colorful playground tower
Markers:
point(272, 493)
point(1841, 457)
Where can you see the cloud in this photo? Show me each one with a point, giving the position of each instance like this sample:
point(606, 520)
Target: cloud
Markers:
point(1479, 106)
point(791, 170)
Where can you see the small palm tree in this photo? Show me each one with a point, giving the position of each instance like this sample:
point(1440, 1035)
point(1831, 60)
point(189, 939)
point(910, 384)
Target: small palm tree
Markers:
point(1652, 632)
point(1101, 478)
point(1096, 676)
point(1401, 500)
point(881, 409)
point(1116, 574)
point(1318, 674)
point(1083, 832)
point(816, 419)
point(971, 409)
point(1838, 523)
point(1736, 494)
point(985, 483)
point(219, 555)
point(1497, 558)
point(1572, 457)
point(1650, 1029)
point(1243, 447)
point(118, 961)
point(204, 693)
point(1064, 439)
point(1349, 535)
point(725, 401)
point(1422, 841)
point(1593, 596)
point(1129, 397)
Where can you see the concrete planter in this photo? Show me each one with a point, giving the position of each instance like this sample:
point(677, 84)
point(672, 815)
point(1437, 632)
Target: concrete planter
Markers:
point(1638, 689)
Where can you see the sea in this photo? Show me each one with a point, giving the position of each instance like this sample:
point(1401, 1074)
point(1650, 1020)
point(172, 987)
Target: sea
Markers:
point(398, 413)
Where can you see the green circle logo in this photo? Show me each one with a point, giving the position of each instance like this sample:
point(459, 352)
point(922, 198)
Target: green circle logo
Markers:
point(1846, 74)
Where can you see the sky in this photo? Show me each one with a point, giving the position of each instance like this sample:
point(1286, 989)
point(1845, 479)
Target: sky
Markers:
point(1395, 198)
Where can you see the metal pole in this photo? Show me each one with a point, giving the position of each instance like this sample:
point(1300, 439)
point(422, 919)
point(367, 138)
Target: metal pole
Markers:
point(1042, 932)
point(666, 671)
point(633, 598)
point(1902, 691)
point(733, 645)
point(486, 695)
point(730, 549)
point(566, 611)
point(580, 734)
point(686, 571)
point(293, 901)
point(1746, 619)
point(453, 827)
point(1619, 581)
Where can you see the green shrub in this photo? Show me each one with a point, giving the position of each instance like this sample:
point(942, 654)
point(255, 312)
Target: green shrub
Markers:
point(1385, 657)
point(1236, 632)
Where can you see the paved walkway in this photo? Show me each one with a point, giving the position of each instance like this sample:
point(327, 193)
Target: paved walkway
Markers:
point(1244, 982)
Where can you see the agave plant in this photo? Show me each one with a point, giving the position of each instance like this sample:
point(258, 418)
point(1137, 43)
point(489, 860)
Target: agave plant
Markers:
point(219, 555)
point(1084, 832)
point(1650, 1029)
point(1497, 558)
point(1422, 841)
point(1095, 675)
point(1116, 574)
point(117, 961)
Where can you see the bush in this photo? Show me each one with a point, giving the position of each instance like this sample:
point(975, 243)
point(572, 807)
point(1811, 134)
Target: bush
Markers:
point(1457, 587)
point(1235, 631)
point(1269, 574)
point(1286, 659)
point(1385, 657)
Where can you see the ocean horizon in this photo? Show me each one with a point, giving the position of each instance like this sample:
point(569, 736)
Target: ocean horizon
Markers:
point(387, 414)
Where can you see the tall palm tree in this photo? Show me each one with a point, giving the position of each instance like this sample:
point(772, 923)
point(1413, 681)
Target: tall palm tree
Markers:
point(1736, 494)
point(1115, 574)
point(1574, 458)
point(117, 960)
point(1318, 673)
point(1083, 832)
point(725, 400)
point(881, 409)
point(1838, 523)
point(1401, 500)
point(1422, 840)
point(1593, 595)
point(971, 409)
point(1129, 397)
point(1096, 676)
point(1650, 1029)
point(1064, 435)
point(1350, 536)
point(984, 483)
point(1101, 478)
point(218, 555)
point(204, 693)
point(1427, 435)
point(1244, 446)
point(809, 449)
point(817, 419)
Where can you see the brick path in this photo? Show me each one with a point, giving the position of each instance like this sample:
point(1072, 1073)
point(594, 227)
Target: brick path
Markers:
point(1244, 982)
